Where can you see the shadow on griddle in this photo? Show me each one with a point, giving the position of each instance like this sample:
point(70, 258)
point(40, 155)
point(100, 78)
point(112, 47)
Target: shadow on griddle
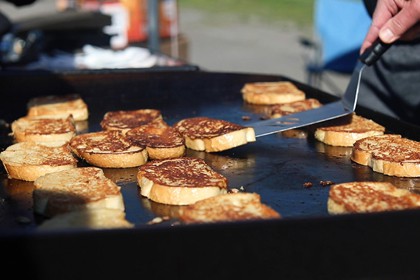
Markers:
point(121, 175)
point(165, 211)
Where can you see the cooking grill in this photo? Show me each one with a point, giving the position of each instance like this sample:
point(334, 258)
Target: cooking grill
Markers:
point(305, 242)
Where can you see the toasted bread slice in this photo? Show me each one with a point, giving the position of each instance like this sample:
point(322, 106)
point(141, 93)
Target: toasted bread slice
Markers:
point(161, 140)
point(108, 149)
point(59, 107)
point(346, 134)
point(96, 218)
point(179, 181)
point(29, 160)
point(362, 197)
point(39, 129)
point(213, 135)
point(279, 110)
point(127, 119)
point(227, 207)
point(390, 154)
point(75, 189)
point(266, 93)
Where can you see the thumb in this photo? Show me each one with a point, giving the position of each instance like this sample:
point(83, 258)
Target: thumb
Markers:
point(398, 26)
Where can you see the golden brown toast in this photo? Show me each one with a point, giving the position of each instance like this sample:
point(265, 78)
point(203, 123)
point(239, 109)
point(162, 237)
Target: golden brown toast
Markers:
point(75, 189)
point(389, 154)
point(59, 107)
point(91, 218)
point(213, 135)
point(161, 140)
point(108, 149)
point(266, 93)
point(127, 119)
point(179, 181)
point(227, 208)
point(346, 134)
point(280, 110)
point(40, 129)
point(29, 160)
point(362, 197)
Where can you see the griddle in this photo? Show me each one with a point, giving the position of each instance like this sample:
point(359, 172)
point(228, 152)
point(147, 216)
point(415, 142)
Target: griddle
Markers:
point(307, 243)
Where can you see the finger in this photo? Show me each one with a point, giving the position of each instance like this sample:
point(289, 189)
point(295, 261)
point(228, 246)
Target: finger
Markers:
point(401, 22)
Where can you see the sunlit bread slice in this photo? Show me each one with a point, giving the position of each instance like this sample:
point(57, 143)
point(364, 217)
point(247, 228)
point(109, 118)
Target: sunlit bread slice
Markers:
point(266, 93)
point(126, 119)
point(346, 134)
point(75, 189)
point(29, 160)
point(391, 155)
point(91, 218)
point(280, 110)
point(179, 181)
point(363, 197)
point(161, 140)
point(363, 149)
point(213, 135)
point(59, 107)
point(41, 129)
point(227, 207)
point(108, 149)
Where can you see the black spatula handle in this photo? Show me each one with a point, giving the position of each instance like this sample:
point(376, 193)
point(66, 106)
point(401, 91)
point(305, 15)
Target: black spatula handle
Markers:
point(374, 52)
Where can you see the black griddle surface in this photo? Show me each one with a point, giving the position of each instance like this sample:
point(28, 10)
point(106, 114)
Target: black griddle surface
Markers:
point(275, 166)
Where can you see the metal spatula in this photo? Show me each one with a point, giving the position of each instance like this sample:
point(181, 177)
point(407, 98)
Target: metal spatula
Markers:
point(329, 111)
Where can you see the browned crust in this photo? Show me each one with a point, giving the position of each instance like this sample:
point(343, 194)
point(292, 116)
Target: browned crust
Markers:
point(185, 171)
point(347, 134)
point(127, 119)
point(227, 207)
point(361, 197)
point(37, 129)
point(271, 92)
point(279, 110)
point(108, 149)
point(204, 127)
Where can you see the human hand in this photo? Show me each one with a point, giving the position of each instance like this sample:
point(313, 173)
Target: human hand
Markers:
point(393, 20)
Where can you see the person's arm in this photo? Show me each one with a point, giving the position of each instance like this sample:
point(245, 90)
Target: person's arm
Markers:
point(394, 20)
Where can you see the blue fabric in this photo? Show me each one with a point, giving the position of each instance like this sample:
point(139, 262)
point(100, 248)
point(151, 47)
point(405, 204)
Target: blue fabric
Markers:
point(341, 26)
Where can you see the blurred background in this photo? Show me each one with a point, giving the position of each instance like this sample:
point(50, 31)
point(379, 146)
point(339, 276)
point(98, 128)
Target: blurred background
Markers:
point(247, 36)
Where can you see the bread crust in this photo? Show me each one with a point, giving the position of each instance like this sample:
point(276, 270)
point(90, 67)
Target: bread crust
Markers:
point(29, 160)
point(109, 149)
point(59, 107)
point(267, 93)
point(346, 134)
point(391, 155)
point(279, 110)
point(127, 119)
point(161, 140)
point(363, 197)
point(179, 181)
point(213, 135)
point(75, 189)
point(227, 207)
point(41, 129)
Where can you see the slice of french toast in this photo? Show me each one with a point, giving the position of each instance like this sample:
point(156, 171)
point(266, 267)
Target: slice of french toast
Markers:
point(349, 132)
point(363, 197)
point(108, 149)
point(179, 181)
point(279, 110)
point(59, 106)
point(127, 119)
point(43, 129)
point(213, 135)
point(75, 189)
point(266, 93)
point(90, 218)
point(227, 208)
point(29, 160)
point(161, 140)
point(390, 154)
